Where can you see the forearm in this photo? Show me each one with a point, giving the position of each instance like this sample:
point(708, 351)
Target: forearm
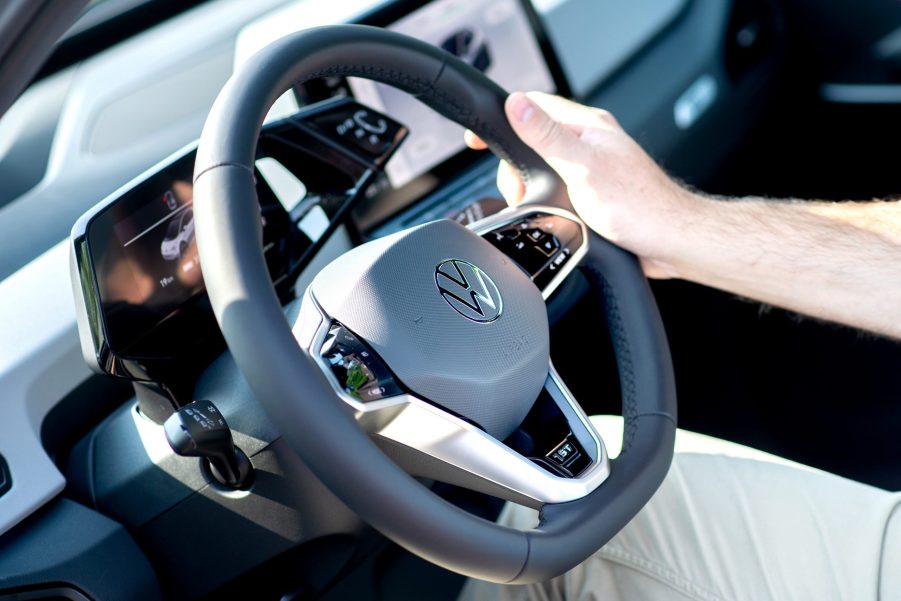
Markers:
point(835, 261)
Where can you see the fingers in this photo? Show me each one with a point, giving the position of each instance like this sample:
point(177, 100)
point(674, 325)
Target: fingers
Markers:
point(561, 131)
point(560, 146)
point(509, 181)
point(510, 184)
point(572, 114)
point(474, 141)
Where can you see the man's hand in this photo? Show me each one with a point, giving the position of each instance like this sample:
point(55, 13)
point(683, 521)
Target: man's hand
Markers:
point(835, 261)
point(614, 185)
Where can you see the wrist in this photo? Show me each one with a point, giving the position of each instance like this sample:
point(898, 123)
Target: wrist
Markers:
point(674, 249)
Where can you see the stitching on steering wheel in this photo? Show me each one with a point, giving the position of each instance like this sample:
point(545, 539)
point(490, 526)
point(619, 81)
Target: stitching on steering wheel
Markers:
point(246, 168)
point(461, 114)
point(456, 111)
point(376, 73)
point(623, 355)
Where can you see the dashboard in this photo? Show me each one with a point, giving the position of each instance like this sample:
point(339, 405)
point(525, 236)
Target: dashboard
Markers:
point(142, 313)
point(137, 276)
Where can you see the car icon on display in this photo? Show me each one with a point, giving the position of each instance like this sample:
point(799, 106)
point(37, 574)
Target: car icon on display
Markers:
point(178, 236)
point(470, 46)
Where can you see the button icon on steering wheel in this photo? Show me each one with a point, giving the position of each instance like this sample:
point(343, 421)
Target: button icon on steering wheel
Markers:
point(377, 128)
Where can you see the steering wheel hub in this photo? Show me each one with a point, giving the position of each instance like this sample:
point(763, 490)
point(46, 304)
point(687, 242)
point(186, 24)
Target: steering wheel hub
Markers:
point(436, 328)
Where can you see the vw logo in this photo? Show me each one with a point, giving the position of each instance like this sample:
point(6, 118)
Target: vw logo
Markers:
point(468, 290)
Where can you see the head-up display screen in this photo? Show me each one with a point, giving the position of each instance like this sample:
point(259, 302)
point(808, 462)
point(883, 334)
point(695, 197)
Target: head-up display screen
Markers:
point(494, 37)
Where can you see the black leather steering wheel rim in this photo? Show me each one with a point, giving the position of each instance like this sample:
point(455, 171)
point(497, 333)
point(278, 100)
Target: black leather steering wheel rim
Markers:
point(295, 392)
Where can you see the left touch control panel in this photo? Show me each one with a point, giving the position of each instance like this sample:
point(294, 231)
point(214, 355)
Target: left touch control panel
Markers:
point(142, 308)
point(360, 373)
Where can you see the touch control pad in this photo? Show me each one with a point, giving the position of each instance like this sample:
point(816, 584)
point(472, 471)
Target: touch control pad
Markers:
point(539, 243)
point(361, 374)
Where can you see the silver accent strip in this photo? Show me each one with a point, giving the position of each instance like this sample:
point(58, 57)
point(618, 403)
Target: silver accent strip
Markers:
point(508, 216)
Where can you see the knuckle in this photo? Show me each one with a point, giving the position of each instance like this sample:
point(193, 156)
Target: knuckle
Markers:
point(606, 116)
point(548, 134)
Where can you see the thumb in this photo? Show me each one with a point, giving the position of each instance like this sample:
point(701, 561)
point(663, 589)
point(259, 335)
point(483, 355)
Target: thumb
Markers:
point(554, 142)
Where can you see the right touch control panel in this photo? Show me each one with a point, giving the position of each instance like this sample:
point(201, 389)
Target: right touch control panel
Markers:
point(542, 244)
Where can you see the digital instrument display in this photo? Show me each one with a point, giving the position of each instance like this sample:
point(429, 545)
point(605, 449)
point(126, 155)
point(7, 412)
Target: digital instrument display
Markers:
point(145, 255)
point(137, 268)
point(495, 37)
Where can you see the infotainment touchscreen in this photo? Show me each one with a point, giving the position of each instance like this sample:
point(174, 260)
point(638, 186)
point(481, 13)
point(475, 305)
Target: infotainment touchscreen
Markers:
point(495, 37)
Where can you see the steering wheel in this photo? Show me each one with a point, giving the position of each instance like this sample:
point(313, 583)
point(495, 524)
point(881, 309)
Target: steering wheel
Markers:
point(454, 323)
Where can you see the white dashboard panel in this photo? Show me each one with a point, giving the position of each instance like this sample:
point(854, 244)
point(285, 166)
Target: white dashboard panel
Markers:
point(40, 362)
